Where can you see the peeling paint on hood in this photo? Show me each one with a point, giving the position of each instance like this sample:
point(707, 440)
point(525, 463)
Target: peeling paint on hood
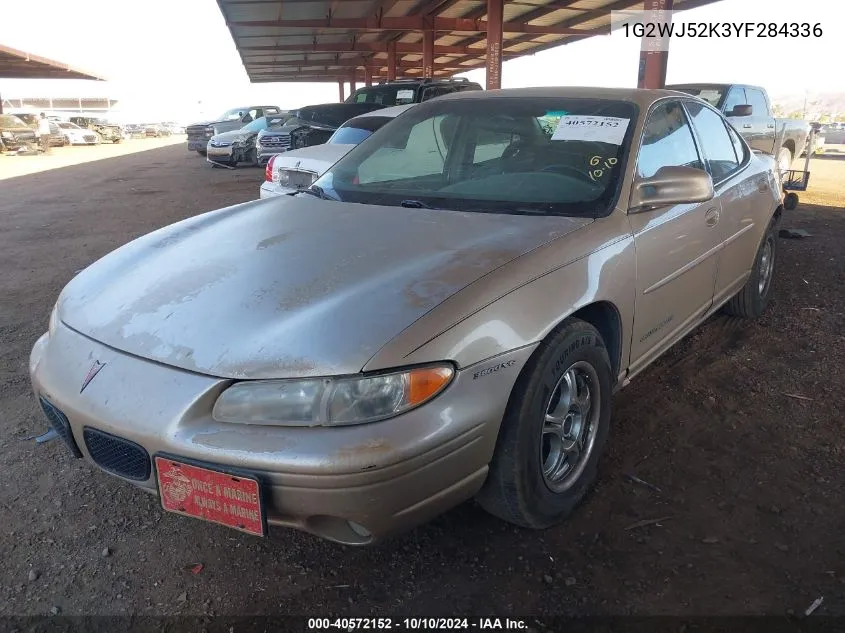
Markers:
point(290, 287)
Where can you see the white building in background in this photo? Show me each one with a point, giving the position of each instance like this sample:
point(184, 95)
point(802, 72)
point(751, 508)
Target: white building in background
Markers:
point(98, 106)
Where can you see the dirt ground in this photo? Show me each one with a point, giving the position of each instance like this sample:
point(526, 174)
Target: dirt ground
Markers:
point(750, 474)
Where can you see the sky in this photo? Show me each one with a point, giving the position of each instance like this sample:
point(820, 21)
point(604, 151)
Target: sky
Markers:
point(176, 60)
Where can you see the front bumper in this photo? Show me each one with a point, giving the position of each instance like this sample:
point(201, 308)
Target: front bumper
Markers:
point(197, 145)
point(386, 476)
point(266, 153)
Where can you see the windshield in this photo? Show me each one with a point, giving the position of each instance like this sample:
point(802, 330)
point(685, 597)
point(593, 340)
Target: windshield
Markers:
point(7, 120)
point(356, 130)
point(711, 94)
point(231, 115)
point(386, 95)
point(69, 126)
point(256, 126)
point(279, 121)
point(27, 118)
point(556, 156)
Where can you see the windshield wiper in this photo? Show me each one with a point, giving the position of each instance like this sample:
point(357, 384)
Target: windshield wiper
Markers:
point(415, 204)
point(318, 192)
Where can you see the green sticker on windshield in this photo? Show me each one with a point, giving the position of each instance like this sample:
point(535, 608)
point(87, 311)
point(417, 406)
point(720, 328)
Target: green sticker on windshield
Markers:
point(557, 113)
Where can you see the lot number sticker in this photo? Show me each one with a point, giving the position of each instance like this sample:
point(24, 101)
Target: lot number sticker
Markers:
point(603, 129)
point(404, 94)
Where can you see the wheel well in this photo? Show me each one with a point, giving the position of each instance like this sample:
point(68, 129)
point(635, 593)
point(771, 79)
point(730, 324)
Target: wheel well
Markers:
point(790, 145)
point(604, 316)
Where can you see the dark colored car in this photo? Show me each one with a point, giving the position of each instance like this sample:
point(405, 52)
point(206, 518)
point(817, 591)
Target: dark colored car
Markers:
point(29, 118)
point(108, 132)
point(311, 125)
point(15, 134)
point(405, 91)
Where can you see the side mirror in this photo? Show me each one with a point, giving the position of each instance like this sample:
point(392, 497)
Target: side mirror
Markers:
point(671, 185)
point(742, 110)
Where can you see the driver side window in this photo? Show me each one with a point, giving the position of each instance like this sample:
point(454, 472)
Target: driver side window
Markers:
point(667, 141)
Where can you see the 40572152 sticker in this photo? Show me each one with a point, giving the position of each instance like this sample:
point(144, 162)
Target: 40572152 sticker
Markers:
point(601, 129)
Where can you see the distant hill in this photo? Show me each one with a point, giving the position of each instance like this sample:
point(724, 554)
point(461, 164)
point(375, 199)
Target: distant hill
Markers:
point(817, 105)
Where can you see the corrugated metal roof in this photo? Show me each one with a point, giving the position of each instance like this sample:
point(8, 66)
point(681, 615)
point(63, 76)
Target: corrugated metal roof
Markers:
point(15, 64)
point(331, 40)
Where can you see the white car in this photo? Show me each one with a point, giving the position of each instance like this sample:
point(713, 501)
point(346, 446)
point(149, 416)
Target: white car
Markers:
point(76, 135)
point(297, 169)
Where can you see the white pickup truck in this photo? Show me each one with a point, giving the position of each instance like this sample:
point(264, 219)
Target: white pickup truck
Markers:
point(749, 110)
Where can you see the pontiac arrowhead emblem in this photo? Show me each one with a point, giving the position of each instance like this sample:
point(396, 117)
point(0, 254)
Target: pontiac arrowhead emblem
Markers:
point(95, 369)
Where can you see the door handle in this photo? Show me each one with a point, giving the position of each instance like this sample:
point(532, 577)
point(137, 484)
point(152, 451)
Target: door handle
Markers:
point(771, 125)
point(711, 218)
point(747, 125)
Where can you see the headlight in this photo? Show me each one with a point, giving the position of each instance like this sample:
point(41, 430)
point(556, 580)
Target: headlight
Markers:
point(330, 401)
point(238, 140)
point(6, 134)
point(54, 319)
point(209, 133)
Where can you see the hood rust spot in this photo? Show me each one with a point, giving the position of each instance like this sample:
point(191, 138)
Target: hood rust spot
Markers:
point(449, 278)
point(271, 241)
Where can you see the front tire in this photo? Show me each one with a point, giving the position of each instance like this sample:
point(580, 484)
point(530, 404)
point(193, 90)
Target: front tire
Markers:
point(751, 301)
point(553, 432)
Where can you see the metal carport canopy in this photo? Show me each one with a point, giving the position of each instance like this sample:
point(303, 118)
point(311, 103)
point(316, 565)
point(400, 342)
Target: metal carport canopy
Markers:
point(349, 40)
point(15, 64)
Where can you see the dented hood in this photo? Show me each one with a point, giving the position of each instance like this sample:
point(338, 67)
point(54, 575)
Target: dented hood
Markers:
point(288, 287)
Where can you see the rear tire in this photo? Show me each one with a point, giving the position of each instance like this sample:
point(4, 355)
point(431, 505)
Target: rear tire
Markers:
point(751, 301)
point(553, 432)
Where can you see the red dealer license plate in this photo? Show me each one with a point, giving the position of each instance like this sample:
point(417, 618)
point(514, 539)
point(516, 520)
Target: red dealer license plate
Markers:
point(211, 495)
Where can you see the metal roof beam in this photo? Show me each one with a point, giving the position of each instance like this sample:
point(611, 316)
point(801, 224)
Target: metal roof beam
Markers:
point(408, 23)
point(360, 47)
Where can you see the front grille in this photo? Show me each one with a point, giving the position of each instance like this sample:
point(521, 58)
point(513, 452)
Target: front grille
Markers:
point(276, 141)
point(116, 455)
point(214, 143)
point(89, 138)
point(60, 425)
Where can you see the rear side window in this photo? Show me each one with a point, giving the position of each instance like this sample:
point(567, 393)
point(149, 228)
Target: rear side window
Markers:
point(757, 101)
point(735, 97)
point(718, 147)
point(740, 149)
point(667, 141)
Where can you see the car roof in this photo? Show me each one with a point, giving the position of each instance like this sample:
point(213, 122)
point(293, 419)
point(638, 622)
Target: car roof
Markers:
point(390, 113)
point(642, 97)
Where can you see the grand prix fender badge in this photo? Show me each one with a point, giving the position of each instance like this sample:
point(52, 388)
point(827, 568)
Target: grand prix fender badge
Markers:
point(95, 369)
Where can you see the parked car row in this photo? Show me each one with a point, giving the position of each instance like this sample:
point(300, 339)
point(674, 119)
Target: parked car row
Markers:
point(441, 314)
point(20, 130)
point(253, 134)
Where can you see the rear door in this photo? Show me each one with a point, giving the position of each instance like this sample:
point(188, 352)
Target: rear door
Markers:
point(742, 193)
point(676, 245)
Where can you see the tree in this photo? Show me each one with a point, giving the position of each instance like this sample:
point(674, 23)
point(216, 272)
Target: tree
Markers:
point(795, 114)
point(824, 118)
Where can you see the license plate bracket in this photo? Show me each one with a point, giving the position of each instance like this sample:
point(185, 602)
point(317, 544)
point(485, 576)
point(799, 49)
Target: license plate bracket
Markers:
point(209, 492)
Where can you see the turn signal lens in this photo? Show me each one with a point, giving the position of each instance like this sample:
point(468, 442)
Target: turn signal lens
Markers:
point(426, 383)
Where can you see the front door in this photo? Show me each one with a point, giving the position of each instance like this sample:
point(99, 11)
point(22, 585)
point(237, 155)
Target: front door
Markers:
point(677, 246)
